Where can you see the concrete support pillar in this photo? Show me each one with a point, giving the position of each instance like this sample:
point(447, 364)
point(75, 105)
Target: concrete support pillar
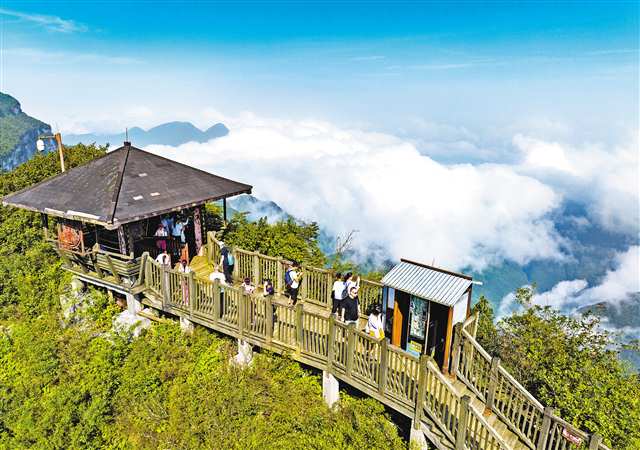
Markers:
point(417, 437)
point(186, 325)
point(134, 305)
point(245, 354)
point(330, 389)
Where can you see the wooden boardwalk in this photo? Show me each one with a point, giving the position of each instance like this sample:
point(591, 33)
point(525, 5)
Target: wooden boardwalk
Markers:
point(478, 405)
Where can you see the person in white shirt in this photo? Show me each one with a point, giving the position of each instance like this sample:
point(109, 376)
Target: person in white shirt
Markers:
point(337, 290)
point(161, 233)
point(296, 275)
point(184, 268)
point(164, 259)
point(217, 275)
point(374, 326)
point(247, 286)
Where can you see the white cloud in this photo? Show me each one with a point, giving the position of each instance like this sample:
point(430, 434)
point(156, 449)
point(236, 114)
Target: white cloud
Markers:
point(52, 23)
point(457, 215)
point(607, 180)
point(38, 56)
point(616, 285)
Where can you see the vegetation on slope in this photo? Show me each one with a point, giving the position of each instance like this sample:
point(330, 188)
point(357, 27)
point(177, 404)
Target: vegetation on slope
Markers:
point(14, 123)
point(82, 386)
point(568, 363)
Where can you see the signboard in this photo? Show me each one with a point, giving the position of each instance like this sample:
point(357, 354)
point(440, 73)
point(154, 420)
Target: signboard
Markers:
point(571, 437)
point(414, 348)
point(418, 309)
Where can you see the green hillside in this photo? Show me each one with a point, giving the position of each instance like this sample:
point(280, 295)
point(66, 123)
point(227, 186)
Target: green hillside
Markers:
point(14, 124)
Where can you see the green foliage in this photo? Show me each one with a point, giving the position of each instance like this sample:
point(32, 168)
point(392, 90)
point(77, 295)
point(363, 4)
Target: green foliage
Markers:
point(487, 334)
point(84, 386)
point(290, 239)
point(568, 363)
point(14, 124)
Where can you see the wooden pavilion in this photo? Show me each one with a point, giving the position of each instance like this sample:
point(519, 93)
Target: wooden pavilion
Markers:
point(107, 211)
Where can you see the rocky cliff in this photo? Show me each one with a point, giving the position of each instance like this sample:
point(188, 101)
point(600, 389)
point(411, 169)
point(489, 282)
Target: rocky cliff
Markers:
point(18, 133)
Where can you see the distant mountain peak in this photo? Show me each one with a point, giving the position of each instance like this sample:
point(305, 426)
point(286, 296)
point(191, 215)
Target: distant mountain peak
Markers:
point(170, 133)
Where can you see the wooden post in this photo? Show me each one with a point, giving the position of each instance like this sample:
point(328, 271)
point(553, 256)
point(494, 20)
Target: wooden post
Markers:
point(143, 264)
point(493, 385)
point(447, 341)
point(351, 347)
point(241, 314)
point(384, 361)
point(193, 295)
point(216, 302)
point(299, 327)
point(94, 260)
point(455, 356)
point(279, 281)
point(166, 287)
point(256, 269)
point(463, 414)
point(304, 293)
point(112, 268)
point(594, 441)
point(236, 264)
point(422, 389)
point(544, 429)
point(331, 344)
point(329, 290)
point(268, 313)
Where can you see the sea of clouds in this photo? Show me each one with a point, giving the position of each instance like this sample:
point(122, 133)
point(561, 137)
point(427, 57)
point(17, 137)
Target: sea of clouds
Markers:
point(454, 214)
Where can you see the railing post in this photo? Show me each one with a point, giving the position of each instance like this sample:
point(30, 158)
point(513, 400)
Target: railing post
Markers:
point(544, 429)
point(329, 291)
point(216, 302)
point(305, 283)
point(236, 264)
point(299, 329)
point(142, 272)
point(113, 268)
point(351, 347)
point(166, 287)
point(331, 349)
point(461, 434)
point(455, 355)
point(256, 269)
point(384, 362)
point(268, 317)
point(193, 295)
point(280, 276)
point(241, 314)
point(493, 385)
point(422, 387)
point(594, 441)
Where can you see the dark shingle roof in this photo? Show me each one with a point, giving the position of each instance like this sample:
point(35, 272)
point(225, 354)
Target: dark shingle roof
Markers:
point(125, 185)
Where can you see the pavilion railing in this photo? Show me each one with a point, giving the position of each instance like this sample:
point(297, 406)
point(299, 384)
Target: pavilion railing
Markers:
point(538, 427)
point(374, 366)
point(316, 284)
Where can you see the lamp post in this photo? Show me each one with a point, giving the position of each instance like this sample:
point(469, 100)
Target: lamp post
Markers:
point(58, 138)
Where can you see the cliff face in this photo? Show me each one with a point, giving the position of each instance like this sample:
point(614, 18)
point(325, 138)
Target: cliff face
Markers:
point(18, 133)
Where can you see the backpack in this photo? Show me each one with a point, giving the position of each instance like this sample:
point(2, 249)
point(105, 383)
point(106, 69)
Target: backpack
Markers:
point(287, 277)
point(345, 291)
point(230, 260)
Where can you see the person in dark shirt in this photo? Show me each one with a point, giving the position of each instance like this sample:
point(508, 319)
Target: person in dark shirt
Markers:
point(351, 307)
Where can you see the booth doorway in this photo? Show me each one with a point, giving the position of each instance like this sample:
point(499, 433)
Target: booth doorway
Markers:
point(400, 319)
point(437, 331)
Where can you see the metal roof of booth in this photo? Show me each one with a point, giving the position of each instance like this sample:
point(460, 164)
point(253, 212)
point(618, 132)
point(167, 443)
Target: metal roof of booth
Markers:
point(125, 185)
point(427, 282)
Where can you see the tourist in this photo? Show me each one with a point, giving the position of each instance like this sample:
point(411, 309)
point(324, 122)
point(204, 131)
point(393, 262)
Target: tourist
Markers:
point(164, 259)
point(167, 222)
point(295, 274)
point(267, 287)
point(161, 234)
point(183, 267)
point(375, 327)
point(217, 275)
point(351, 307)
point(247, 287)
point(227, 261)
point(178, 230)
point(336, 294)
point(349, 282)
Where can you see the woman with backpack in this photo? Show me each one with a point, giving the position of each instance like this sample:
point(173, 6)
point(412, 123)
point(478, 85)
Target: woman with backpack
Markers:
point(227, 261)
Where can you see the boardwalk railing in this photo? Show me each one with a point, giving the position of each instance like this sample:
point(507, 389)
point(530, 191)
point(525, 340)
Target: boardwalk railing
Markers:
point(316, 283)
point(414, 386)
point(538, 427)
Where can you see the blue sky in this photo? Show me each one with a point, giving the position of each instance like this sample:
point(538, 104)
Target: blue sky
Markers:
point(380, 64)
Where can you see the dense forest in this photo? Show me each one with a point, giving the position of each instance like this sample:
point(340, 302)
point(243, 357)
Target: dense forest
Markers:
point(70, 381)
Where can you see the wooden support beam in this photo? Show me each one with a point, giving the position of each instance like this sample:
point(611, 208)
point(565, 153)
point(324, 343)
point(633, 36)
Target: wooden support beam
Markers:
point(463, 415)
point(114, 272)
point(193, 294)
point(422, 387)
point(545, 428)
point(447, 342)
point(331, 343)
point(217, 300)
point(351, 347)
point(493, 385)
point(455, 355)
point(268, 316)
point(384, 362)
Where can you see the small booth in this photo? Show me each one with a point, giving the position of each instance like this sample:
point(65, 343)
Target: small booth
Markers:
point(108, 212)
point(421, 304)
